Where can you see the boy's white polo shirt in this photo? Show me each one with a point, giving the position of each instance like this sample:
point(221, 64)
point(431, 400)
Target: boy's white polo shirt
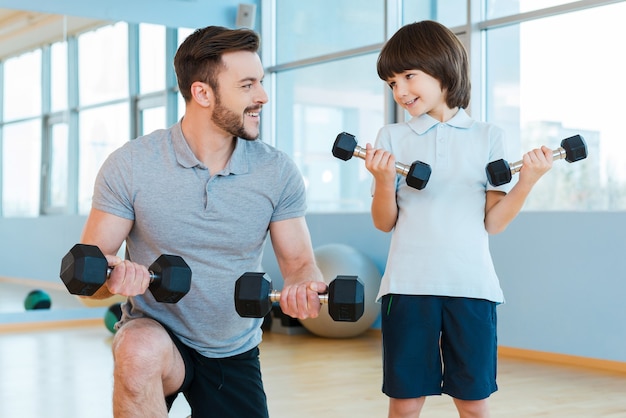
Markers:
point(439, 245)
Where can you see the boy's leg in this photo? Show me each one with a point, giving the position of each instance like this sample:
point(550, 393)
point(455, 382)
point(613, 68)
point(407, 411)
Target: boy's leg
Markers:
point(411, 359)
point(469, 350)
point(147, 366)
point(472, 409)
point(406, 408)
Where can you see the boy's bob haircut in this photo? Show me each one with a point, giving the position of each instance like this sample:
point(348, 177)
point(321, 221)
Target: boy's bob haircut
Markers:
point(430, 47)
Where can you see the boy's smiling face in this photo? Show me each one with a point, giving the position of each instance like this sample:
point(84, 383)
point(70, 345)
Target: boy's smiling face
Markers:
point(419, 93)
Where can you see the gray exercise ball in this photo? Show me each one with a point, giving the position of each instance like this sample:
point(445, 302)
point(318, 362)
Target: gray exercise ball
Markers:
point(342, 260)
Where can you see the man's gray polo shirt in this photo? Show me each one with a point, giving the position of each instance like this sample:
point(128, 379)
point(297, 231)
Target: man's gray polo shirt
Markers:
point(217, 223)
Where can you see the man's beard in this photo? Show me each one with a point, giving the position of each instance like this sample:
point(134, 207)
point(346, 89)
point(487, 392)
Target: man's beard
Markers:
point(231, 122)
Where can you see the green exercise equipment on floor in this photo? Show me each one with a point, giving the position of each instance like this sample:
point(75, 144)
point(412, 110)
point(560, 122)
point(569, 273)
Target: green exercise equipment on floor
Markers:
point(112, 316)
point(37, 299)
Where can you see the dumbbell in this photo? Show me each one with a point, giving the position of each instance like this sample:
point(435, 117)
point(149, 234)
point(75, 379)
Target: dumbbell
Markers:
point(254, 297)
point(572, 149)
point(417, 174)
point(84, 269)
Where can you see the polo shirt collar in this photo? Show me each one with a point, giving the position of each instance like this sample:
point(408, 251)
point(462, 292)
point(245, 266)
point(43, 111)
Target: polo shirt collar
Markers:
point(421, 124)
point(238, 163)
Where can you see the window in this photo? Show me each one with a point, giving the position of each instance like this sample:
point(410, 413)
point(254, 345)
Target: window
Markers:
point(152, 119)
point(103, 64)
point(21, 139)
point(500, 8)
point(545, 85)
point(341, 25)
point(22, 86)
point(58, 77)
point(315, 106)
point(21, 163)
point(449, 12)
point(151, 58)
point(98, 138)
point(58, 168)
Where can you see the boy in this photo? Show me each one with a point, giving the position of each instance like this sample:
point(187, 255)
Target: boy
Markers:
point(440, 290)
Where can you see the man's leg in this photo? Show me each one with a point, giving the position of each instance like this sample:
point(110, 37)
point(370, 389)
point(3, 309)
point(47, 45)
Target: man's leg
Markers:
point(147, 367)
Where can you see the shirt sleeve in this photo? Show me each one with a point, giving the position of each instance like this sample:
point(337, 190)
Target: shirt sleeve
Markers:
point(500, 149)
point(292, 200)
point(112, 189)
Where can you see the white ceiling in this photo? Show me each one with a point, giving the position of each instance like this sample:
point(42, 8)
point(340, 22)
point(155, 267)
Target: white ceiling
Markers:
point(23, 30)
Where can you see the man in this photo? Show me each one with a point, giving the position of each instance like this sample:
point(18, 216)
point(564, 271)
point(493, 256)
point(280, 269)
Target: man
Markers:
point(205, 189)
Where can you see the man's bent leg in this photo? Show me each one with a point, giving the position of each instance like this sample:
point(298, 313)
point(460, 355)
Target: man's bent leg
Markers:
point(147, 367)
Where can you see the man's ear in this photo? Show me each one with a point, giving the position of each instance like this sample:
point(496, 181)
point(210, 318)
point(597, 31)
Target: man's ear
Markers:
point(202, 93)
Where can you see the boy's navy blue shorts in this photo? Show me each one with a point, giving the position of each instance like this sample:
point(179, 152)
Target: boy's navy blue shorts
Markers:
point(222, 387)
point(435, 344)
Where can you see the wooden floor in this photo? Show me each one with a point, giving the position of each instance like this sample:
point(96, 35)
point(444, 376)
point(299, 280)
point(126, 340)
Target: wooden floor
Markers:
point(66, 373)
point(63, 369)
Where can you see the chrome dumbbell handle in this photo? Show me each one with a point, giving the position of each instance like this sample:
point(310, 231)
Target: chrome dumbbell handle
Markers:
point(557, 154)
point(275, 296)
point(153, 275)
point(402, 169)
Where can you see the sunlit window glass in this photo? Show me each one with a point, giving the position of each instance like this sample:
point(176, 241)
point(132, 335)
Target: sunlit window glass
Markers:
point(152, 119)
point(22, 86)
point(316, 104)
point(500, 8)
point(306, 29)
point(103, 64)
point(449, 12)
point(545, 85)
point(151, 58)
point(102, 130)
point(21, 165)
point(58, 165)
point(58, 76)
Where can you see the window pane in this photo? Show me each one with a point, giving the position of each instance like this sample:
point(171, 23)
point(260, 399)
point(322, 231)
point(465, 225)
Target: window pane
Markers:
point(539, 86)
point(316, 104)
point(345, 25)
point(58, 59)
point(22, 86)
point(99, 136)
point(21, 168)
point(151, 58)
point(103, 64)
point(450, 12)
point(499, 8)
point(152, 119)
point(58, 166)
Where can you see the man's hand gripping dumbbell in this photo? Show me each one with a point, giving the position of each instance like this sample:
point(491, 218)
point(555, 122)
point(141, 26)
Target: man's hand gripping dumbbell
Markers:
point(84, 270)
point(254, 297)
point(417, 174)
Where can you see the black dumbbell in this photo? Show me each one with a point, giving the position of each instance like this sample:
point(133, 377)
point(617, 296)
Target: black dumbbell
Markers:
point(417, 174)
point(572, 149)
point(254, 297)
point(84, 269)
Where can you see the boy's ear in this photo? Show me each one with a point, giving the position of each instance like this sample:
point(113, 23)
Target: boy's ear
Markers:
point(202, 93)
